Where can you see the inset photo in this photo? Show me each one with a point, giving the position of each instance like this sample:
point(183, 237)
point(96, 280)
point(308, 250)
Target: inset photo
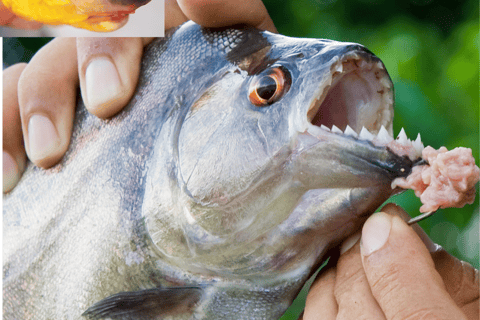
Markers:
point(82, 18)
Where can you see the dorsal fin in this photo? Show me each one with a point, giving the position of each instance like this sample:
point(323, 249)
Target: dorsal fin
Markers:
point(146, 303)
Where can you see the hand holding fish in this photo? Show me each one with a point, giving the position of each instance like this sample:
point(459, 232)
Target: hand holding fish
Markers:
point(108, 70)
point(391, 274)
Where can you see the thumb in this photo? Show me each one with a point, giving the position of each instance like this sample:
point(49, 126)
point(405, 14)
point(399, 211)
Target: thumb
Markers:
point(401, 272)
point(460, 278)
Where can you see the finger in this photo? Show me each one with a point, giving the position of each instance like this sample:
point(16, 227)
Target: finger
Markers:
point(401, 272)
point(221, 13)
point(109, 70)
point(173, 14)
point(47, 99)
point(321, 303)
point(459, 277)
point(352, 291)
point(461, 281)
point(14, 158)
point(393, 209)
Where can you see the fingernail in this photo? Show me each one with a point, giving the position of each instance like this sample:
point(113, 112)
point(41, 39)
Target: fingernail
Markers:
point(375, 233)
point(392, 208)
point(350, 242)
point(43, 139)
point(10, 172)
point(102, 82)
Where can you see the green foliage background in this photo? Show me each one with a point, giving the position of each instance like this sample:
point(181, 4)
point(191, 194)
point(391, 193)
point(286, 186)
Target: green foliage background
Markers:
point(430, 49)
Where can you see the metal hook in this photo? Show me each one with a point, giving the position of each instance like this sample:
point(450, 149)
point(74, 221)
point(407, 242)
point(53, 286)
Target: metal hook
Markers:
point(420, 217)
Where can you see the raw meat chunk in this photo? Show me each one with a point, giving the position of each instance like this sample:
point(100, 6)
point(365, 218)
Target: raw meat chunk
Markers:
point(447, 181)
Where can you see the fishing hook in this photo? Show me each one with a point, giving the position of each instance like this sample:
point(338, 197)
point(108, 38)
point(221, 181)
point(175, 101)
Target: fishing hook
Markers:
point(420, 217)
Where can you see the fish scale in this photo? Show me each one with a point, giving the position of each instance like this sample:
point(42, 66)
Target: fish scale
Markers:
point(193, 202)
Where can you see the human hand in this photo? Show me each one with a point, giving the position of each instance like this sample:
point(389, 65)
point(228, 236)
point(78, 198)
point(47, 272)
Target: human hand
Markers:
point(107, 70)
point(390, 274)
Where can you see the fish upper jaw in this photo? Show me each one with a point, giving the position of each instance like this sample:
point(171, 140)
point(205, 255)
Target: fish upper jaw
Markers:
point(345, 139)
point(356, 91)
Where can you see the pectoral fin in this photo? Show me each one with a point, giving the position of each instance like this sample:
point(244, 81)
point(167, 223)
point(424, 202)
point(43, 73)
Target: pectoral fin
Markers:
point(146, 303)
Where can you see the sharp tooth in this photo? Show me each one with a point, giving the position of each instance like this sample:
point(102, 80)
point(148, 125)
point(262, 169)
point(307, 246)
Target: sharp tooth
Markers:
point(350, 132)
point(324, 127)
point(335, 129)
point(328, 82)
point(402, 138)
point(380, 65)
point(418, 145)
point(355, 56)
point(314, 130)
point(385, 82)
point(419, 141)
point(366, 135)
point(383, 136)
point(386, 114)
point(339, 67)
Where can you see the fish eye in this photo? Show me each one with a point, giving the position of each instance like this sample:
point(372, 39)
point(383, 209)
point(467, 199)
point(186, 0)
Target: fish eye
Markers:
point(268, 87)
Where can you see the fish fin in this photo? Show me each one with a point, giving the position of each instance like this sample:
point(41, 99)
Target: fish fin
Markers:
point(146, 303)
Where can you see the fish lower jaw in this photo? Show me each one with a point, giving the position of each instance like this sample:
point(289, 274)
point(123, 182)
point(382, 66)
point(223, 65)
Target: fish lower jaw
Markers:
point(402, 145)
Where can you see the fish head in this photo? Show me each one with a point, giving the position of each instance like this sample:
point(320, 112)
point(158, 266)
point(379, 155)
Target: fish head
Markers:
point(252, 150)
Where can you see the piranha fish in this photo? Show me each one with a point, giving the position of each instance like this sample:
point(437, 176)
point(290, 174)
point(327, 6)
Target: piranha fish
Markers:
point(242, 160)
point(94, 15)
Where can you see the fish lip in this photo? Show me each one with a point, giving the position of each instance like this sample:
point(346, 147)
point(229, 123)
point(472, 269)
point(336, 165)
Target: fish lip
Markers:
point(115, 16)
point(368, 73)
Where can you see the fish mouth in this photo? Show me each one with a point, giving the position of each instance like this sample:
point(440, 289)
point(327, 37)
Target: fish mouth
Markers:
point(117, 16)
point(357, 100)
point(358, 93)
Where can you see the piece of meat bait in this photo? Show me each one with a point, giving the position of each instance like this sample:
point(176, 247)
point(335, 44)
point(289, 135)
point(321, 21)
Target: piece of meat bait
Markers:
point(447, 180)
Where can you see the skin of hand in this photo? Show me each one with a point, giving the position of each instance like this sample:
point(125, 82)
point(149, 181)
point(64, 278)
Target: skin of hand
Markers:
point(394, 272)
point(40, 97)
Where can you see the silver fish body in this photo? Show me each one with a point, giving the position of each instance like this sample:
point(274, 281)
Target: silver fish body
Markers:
point(195, 203)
